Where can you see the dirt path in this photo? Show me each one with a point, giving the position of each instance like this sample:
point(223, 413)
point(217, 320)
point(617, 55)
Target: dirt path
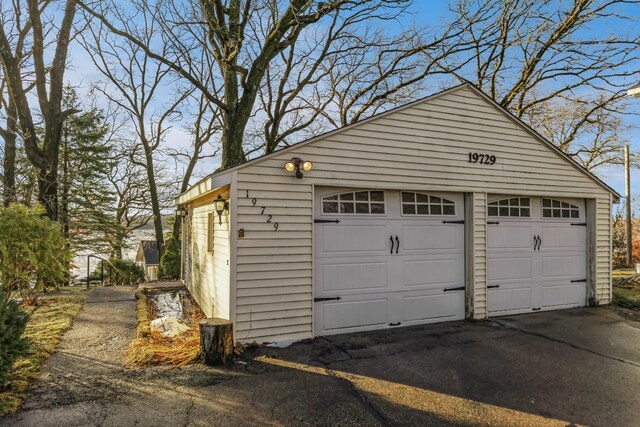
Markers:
point(87, 363)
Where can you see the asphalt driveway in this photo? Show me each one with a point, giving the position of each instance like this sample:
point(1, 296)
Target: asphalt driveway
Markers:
point(558, 368)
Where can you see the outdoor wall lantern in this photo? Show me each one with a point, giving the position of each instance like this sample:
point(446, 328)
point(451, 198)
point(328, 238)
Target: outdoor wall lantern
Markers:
point(298, 165)
point(220, 205)
point(182, 211)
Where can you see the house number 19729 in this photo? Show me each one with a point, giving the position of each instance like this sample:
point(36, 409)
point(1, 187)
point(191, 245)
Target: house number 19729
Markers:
point(483, 159)
point(254, 202)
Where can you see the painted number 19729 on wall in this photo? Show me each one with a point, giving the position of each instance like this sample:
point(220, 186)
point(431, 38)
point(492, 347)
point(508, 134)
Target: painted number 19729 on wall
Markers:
point(483, 159)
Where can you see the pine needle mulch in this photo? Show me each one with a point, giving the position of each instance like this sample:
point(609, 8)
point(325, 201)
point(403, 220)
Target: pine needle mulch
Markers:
point(50, 319)
point(156, 350)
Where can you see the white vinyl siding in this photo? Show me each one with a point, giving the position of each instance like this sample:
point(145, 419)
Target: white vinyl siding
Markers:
point(221, 261)
point(428, 145)
point(477, 267)
point(421, 148)
point(209, 271)
point(274, 267)
point(603, 244)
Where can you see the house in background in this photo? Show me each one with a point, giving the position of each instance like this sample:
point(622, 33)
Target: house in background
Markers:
point(634, 91)
point(447, 208)
point(148, 257)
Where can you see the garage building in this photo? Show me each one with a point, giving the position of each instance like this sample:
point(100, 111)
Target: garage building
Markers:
point(444, 209)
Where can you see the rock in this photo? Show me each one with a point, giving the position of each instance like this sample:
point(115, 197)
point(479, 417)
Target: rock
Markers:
point(168, 326)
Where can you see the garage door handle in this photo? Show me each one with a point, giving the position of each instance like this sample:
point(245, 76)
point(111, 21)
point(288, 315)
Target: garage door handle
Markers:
point(391, 238)
point(537, 242)
point(397, 244)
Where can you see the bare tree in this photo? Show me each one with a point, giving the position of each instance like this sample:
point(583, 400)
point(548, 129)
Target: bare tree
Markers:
point(42, 29)
point(135, 83)
point(128, 181)
point(206, 124)
point(250, 42)
point(591, 130)
point(533, 57)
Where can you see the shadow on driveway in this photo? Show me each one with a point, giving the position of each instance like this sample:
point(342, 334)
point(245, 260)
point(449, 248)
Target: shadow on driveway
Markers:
point(557, 368)
point(574, 366)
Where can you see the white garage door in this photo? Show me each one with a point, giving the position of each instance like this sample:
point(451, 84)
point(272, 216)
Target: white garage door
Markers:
point(536, 254)
point(386, 258)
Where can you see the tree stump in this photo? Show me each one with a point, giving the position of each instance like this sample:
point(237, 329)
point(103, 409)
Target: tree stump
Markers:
point(216, 341)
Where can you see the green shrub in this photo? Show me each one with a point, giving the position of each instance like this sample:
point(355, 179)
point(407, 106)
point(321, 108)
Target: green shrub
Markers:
point(170, 260)
point(13, 344)
point(32, 249)
point(123, 272)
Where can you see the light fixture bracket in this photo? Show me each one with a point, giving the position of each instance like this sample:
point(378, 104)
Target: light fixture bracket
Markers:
point(297, 165)
point(220, 205)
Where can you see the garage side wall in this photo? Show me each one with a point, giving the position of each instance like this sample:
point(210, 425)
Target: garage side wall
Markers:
point(603, 250)
point(209, 270)
point(274, 266)
point(424, 147)
point(200, 283)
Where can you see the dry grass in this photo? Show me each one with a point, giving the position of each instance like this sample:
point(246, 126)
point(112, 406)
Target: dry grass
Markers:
point(626, 295)
point(622, 272)
point(50, 319)
point(157, 350)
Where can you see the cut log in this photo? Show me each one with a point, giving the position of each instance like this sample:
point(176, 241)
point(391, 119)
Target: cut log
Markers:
point(216, 341)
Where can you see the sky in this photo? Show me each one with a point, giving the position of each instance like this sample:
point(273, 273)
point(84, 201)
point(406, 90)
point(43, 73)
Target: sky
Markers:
point(422, 12)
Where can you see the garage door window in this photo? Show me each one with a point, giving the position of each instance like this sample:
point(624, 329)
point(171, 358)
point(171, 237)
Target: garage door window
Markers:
point(557, 209)
point(514, 207)
point(425, 204)
point(357, 202)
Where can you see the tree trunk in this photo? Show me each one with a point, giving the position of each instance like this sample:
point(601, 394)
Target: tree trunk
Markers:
point(64, 202)
point(176, 229)
point(9, 161)
point(232, 138)
point(184, 187)
point(48, 172)
point(155, 203)
point(116, 250)
point(216, 341)
point(48, 191)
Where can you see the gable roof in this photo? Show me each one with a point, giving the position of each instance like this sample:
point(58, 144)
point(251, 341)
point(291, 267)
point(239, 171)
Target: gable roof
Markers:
point(467, 85)
point(149, 249)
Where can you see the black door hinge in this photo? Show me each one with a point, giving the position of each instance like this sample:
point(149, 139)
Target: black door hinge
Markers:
point(461, 288)
point(493, 222)
point(581, 224)
point(322, 221)
point(395, 324)
point(493, 286)
point(326, 299)
point(579, 280)
point(461, 221)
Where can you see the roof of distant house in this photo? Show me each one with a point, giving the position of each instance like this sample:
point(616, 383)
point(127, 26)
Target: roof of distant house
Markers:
point(150, 252)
